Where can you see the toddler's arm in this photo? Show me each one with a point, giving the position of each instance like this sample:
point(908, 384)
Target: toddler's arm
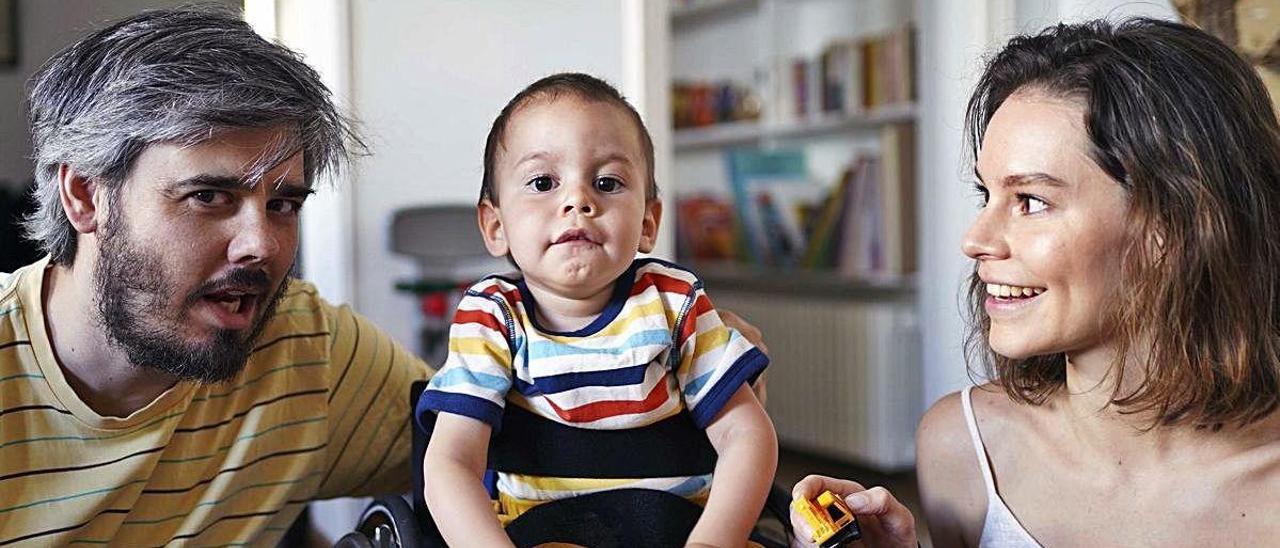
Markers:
point(453, 472)
point(743, 437)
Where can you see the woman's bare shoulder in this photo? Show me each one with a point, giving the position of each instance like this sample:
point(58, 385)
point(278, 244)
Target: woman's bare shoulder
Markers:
point(947, 469)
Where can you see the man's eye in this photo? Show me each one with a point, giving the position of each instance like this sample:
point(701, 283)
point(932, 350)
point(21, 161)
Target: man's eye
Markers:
point(542, 184)
point(289, 207)
point(608, 184)
point(210, 197)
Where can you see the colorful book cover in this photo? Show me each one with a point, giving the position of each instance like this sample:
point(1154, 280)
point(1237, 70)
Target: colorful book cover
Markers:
point(747, 165)
point(705, 229)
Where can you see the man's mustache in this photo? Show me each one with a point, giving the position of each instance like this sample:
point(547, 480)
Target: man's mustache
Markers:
point(245, 280)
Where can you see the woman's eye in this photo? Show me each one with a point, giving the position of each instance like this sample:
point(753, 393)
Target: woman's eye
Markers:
point(1031, 204)
point(542, 184)
point(608, 184)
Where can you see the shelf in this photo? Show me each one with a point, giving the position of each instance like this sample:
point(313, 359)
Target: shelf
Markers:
point(744, 133)
point(726, 277)
point(709, 10)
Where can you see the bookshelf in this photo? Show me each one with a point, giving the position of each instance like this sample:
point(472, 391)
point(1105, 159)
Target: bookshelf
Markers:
point(844, 335)
point(737, 277)
point(757, 133)
point(689, 14)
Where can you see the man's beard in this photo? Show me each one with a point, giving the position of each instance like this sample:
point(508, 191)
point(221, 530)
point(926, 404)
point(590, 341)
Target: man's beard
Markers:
point(133, 297)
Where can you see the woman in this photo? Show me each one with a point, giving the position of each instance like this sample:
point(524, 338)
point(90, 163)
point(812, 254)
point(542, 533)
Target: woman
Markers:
point(1126, 304)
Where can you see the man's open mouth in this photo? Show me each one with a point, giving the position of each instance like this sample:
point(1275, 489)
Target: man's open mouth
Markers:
point(232, 301)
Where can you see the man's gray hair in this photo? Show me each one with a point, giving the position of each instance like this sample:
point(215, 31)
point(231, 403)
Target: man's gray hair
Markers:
point(176, 76)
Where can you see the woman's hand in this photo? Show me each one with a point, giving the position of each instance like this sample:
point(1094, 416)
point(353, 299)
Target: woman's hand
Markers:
point(754, 336)
point(884, 521)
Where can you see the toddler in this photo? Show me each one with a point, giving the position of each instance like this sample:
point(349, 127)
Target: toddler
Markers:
point(586, 334)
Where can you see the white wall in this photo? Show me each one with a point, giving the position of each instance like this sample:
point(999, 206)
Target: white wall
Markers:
point(44, 28)
point(428, 78)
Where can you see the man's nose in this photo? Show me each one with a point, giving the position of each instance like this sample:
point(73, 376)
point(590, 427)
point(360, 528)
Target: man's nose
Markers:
point(255, 239)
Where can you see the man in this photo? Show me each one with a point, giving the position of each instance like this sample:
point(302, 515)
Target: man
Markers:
point(161, 377)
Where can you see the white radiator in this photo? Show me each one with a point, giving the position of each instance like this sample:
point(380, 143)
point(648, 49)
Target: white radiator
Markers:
point(844, 377)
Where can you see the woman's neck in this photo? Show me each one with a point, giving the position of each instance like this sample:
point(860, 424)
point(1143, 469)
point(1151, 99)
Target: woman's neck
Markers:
point(1102, 427)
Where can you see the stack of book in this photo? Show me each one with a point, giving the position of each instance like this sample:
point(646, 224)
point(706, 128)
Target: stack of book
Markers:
point(850, 76)
point(774, 214)
point(697, 104)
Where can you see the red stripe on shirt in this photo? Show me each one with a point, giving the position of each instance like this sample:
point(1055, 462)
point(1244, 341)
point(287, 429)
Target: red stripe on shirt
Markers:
point(701, 305)
point(482, 318)
point(604, 409)
point(665, 284)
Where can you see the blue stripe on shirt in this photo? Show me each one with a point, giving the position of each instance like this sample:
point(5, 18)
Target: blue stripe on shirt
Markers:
point(748, 366)
point(613, 377)
point(454, 376)
point(458, 404)
point(550, 349)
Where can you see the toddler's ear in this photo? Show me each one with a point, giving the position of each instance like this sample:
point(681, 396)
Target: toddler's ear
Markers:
point(495, 239)
point(649, 228)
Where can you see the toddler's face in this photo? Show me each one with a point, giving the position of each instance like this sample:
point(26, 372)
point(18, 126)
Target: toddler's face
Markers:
point(570, 179)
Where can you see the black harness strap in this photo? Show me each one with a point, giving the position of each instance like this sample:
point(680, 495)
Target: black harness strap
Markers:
point(530, 444)
point(609, 519)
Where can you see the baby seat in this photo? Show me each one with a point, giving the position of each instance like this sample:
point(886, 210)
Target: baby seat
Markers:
point(529, 444)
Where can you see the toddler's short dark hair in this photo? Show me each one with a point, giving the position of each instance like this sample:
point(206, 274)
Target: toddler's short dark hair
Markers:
point(583, 86)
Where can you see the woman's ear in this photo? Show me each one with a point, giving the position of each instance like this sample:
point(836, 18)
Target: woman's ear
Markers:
point(649, 227)
point(495, 238)
point(80, 200)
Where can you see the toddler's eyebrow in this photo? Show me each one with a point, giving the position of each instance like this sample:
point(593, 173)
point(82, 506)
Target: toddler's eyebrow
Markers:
point(532, 156)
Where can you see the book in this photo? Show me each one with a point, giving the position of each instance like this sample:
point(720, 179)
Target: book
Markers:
point(706, 228)
point(747, 165)
point(897, 197)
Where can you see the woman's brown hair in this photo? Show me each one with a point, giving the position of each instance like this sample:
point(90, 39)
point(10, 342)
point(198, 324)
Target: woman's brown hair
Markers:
point(1187, 129)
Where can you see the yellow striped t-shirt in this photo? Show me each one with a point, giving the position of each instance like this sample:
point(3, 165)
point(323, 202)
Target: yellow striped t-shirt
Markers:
point(320, 410)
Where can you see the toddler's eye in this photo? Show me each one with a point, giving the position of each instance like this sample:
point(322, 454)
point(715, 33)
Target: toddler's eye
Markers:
point(608, 184)
point(542, 184)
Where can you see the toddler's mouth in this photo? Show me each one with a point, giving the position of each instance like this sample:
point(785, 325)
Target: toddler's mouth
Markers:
point(574, 235)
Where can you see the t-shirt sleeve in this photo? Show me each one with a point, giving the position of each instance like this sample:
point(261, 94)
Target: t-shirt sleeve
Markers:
point(478, 372)
point(714, 359)
point(370, 435)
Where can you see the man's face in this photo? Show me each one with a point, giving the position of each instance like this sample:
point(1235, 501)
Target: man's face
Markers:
point(192, 260)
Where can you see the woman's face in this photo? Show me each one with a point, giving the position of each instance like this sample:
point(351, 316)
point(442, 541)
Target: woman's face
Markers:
point(1049, 237)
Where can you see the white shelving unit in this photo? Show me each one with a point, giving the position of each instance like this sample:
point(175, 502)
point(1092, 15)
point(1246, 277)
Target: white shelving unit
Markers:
point(747, 133)
point(846, 351)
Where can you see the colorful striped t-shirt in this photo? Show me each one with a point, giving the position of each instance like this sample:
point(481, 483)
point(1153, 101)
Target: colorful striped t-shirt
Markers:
point(320, 410)
point(657, 349)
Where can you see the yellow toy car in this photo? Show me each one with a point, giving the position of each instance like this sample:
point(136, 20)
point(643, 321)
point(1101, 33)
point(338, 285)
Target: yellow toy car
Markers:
point(829, 518)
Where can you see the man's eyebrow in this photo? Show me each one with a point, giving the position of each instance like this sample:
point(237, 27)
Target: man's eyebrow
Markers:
point(291, 190)
point(226, 182)
point(209, 180)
